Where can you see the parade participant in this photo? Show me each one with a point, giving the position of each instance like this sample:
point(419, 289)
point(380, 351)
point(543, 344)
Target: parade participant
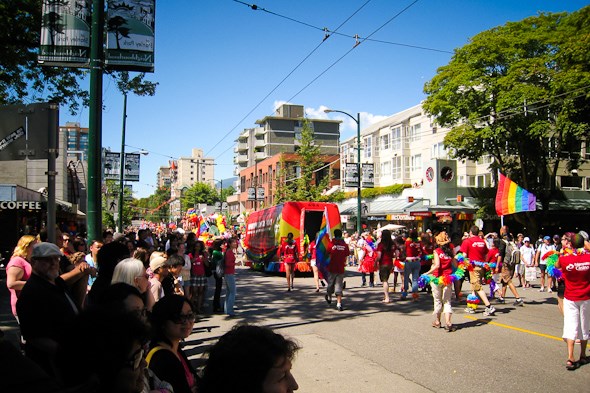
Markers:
point(427, 245)
point(575, 269)
point(412, 266)
point(199, 259)
point(527, 257)
point(385, 254)
point(172, 320)
point(230, 274)
point(543, 249)
point(216, 256)
point(443, 264)
point(45, 308)
point(399, 255)
point(339, 252)
point(289, 255)
point(495, 257)
point(509, 255)
point(313, 262)
point(456, 240)
point(367, 265)
point(476, 250)
point(19, 268)
point(259, 358)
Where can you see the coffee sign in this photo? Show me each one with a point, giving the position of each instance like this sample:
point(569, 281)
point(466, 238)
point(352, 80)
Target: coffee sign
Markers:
point(20, 205)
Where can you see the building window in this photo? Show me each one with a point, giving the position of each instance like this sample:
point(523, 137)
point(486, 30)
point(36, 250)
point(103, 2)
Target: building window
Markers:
point(470, 181)
point(368, 147)
point(396, 167)
point(396, 138)
point(484, 180)
point(406, 167)
point(385, 141)
point(416, 163)
point(385, 168)
point(414, 133)
point(570, 182)
point(439, 151)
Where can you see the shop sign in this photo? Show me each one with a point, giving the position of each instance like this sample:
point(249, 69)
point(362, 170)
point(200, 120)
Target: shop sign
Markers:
point(20, 205)
point(421, 214)
point(443, 214)
point(465, 217)
point(400, 217)
point(376, 218)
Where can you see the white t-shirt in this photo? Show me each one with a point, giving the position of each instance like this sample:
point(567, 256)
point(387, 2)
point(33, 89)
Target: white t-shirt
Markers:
point(527, 254)
point(543, 249)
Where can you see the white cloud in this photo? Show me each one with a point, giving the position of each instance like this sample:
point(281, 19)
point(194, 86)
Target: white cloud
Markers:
point(348, 127)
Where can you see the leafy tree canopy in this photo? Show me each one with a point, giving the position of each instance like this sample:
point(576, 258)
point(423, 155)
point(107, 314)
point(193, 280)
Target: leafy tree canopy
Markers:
point(520, 93)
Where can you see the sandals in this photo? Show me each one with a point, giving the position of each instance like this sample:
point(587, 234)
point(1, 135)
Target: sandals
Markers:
point(569, 365)
point(436, 324)
point(450, 328)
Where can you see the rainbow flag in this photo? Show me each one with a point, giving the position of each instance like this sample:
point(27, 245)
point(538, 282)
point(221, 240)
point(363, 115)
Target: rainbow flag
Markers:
point(511, 198)
point(322, 244)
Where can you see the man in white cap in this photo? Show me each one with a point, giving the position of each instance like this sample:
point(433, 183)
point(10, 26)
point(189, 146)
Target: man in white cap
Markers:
point(527, 258)
point(159, 268)
point(45, 308)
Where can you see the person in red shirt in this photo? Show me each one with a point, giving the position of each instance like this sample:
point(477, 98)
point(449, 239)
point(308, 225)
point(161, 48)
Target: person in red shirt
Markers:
point(576, 300)
point(338, 250)
point(476, 249)
point(289, 256)
point(443, 263)
point(385, 254)
point(413, 255)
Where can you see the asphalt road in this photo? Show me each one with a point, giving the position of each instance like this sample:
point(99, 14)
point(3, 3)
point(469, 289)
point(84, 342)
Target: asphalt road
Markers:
point(375, 347)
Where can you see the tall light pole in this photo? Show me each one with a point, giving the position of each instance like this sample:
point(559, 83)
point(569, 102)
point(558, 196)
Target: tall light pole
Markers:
point(358, 163)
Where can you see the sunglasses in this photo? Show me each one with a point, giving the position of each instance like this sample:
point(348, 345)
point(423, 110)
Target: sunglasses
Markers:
point(184, 318)
point(135, 360)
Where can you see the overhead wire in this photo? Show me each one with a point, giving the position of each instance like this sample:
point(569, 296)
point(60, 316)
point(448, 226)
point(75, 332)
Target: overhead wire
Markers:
point(281, 82)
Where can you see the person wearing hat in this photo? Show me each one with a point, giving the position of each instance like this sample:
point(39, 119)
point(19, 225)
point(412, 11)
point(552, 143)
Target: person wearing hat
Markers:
point(527, 255)
point(159, 268)
point(443, 264)
point(543, 249)
point(45, 308)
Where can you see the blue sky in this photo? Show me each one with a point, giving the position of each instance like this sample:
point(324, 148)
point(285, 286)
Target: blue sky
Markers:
point(217, 60)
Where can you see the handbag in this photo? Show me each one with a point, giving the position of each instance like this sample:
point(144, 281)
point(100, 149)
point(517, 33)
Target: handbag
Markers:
point(220, 268)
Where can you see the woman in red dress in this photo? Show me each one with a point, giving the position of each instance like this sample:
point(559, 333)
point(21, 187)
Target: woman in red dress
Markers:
point(289, 256)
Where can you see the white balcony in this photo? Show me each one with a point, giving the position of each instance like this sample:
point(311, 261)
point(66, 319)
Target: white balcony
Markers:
point(259, 156)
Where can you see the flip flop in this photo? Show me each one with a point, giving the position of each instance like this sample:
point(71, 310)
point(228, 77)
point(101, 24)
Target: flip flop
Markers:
point(571, 366)
point(436, 324)
point(450, 328)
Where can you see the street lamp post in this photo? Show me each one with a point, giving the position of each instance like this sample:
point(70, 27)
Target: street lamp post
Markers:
point(358, 163)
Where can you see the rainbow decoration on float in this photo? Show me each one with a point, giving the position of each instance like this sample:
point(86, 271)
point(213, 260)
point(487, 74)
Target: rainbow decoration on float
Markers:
point(322, 244)
point(511, 198)
point(457, 275)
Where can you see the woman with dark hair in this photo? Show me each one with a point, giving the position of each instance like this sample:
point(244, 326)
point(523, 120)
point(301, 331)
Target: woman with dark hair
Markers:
point(172, 320)
point(413, 254)
point(385, 254)
point(198, 282)
point(107, 258)
point(258, 359)
point(443, 264)
point(216, 255)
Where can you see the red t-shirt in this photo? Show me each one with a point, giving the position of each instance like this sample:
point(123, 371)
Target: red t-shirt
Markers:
point(311, 250)
point(338, 251)
point(475, 248)
point(493, 255)
point(198, 265)
point(413, 249)
point(446, 266)
point(386, 256)
point(230, 261)
point(576, 272)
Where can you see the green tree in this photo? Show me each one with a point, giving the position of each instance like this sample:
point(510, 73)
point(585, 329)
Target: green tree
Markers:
point(520, 93)
point(111, 194)
point(306, 178)
point(198, 193)
point(155, 207)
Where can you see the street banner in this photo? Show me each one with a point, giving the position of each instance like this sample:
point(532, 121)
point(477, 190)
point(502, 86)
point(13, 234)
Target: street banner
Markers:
point(112, 166)
point(351, 175)
point(65, 33)
point(130, 35)
point(368, 175)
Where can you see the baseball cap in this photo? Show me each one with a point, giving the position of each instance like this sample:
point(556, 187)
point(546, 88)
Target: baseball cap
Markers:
point(46, 250)
point(157, 263)
point(556, 237)
point(526, 239)
point(546, 237)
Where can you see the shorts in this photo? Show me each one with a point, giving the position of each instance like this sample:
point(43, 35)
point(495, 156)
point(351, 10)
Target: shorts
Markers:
point(198, 281)
point(519, 269)
point(335, 283)
point(384, 272)
point(506, 274)
point(543, 268)
point(314, 262)
point(576, 319)
point(475, 277)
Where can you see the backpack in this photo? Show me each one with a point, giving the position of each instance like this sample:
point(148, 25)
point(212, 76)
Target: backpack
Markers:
point(511, 254)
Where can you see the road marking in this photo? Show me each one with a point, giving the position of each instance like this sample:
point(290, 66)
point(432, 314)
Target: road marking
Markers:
point(515, 328)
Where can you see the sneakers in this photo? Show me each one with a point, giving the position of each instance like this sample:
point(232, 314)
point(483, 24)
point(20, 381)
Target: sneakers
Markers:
point(542, 289)
point(364, 284)
point(489, 311)
point(469, 310)
point(328, 298)
point(339, 307)
point(550, 290)
point(519, 302)
point(501, 300)
point(404, 295)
